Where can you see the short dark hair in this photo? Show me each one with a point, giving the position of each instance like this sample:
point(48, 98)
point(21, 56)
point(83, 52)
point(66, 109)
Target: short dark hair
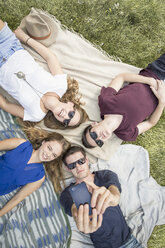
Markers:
point(84, 139)
point(72, 150)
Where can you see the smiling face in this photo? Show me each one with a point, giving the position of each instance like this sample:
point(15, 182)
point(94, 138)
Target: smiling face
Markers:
point(101, 133)
point(49, 150)
point(81, 170)
point(67, 114)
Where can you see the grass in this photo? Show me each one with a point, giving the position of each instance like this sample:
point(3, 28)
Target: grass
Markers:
point(132, 30)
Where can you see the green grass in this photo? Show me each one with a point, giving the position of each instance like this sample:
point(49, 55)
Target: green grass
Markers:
point(133, 30)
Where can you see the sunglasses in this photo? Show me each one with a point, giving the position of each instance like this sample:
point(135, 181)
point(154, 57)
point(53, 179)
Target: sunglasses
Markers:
point(73, 165)
point(71, 115)
point(94, 136)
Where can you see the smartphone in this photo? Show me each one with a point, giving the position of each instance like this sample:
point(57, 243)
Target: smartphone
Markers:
point(81, 195)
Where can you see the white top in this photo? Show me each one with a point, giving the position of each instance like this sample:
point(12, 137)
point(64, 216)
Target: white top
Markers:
point(36, 76)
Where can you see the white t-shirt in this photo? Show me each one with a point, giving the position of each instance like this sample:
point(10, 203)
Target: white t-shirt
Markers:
point(36, 76)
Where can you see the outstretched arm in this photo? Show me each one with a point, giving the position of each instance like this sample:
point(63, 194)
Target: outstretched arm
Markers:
point(25, 191)
point(46, 53)
point(154, 118)
point(9, 144)
point(118, 81)
point(102, 198)
point(11, 108)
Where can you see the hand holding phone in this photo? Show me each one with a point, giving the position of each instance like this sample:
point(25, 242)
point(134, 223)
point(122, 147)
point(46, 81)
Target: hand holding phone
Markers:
point(81, 195)
point(86, 221)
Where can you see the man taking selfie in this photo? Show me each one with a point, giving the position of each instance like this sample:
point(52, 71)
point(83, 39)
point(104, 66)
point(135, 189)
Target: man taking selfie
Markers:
point(107, 226)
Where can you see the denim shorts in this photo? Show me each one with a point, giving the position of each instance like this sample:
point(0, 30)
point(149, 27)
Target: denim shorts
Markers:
point(132, 243)
point(9, 44)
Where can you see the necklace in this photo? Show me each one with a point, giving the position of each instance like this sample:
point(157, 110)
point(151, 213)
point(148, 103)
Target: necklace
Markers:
point(21, 75)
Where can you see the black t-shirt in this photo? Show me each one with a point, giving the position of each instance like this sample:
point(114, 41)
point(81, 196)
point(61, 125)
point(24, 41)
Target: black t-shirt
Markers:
point(114, 231)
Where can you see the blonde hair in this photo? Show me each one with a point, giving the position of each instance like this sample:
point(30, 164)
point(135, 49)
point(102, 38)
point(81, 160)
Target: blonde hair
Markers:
point(53, 168)
point(72, 95)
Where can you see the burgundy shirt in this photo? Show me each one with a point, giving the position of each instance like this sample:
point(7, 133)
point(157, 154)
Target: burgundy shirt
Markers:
point(135, 102)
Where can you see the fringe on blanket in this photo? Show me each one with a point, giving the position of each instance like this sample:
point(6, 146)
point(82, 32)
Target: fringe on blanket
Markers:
point(64, 27)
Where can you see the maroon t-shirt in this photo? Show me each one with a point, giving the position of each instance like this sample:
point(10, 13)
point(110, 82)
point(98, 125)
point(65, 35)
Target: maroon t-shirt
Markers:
point(135, 102)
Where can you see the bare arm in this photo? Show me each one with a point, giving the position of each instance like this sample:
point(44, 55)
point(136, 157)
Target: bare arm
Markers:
point(46, 53)
point(118, 81)
point(154, 118)
point(115, 195)
point(25, 191)
point(11, 108)
point(9, 144)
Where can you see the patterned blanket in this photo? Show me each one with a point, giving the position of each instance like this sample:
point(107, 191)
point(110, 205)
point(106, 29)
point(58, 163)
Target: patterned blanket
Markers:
point(38, 221)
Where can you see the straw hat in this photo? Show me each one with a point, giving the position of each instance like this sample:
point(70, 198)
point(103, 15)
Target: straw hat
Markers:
point(40, 27)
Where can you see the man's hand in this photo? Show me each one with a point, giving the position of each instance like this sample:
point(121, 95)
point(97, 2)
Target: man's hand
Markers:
point(160, 91)
point(83, 221)
point(102, 198)
point(152, 82)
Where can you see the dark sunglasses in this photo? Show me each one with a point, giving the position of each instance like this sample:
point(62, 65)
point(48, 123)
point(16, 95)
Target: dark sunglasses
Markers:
point(94, 136)
point(73, 165)
point(71, 115)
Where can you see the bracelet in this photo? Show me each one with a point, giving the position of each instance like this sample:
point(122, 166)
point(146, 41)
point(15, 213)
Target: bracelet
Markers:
point(26, 42)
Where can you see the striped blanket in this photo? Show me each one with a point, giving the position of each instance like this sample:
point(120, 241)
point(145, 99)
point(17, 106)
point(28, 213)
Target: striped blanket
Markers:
point(38, 221)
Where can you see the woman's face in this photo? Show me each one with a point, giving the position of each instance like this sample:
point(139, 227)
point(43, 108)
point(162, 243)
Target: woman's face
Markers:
point(50, 150)
point(67, 114)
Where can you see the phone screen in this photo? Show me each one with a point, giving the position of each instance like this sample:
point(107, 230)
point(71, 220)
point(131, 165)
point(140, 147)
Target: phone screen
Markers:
point(81, 195)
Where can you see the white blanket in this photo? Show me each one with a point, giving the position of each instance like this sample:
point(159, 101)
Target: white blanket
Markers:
point(142, 199)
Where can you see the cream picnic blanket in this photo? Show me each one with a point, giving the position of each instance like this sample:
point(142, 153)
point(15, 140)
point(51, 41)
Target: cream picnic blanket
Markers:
point(92, 68)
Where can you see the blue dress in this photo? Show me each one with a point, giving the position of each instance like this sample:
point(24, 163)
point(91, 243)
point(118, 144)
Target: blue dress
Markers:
point(14, 170)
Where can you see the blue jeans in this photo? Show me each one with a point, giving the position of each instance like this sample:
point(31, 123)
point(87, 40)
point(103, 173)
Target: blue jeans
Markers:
point(158, 67)
point(132, 243)
point(9, 44)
